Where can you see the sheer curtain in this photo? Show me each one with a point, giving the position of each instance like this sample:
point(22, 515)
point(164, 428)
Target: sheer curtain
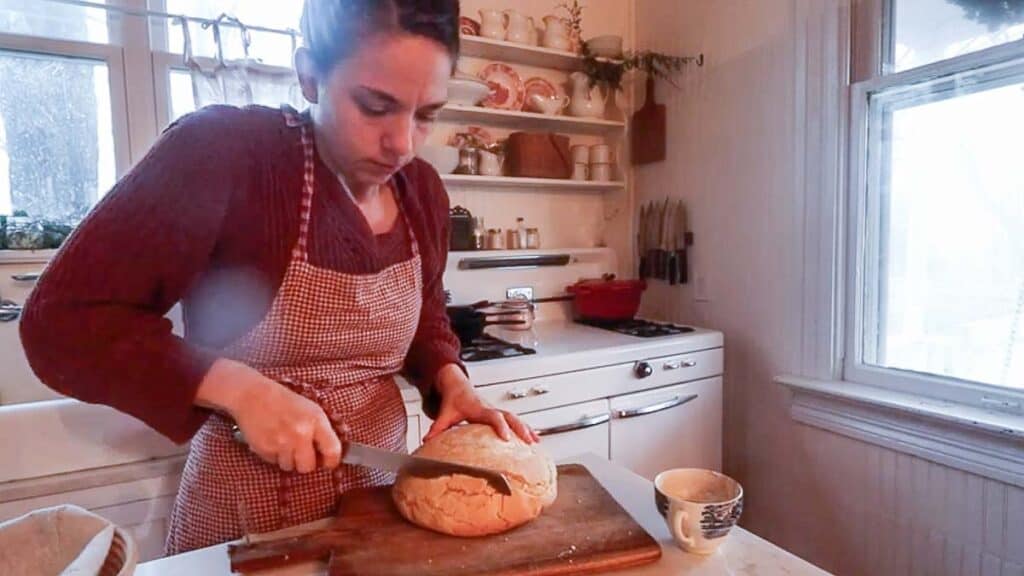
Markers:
point(239, 82)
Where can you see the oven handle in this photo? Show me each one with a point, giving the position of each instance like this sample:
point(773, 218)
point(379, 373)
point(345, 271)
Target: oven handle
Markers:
point(588, 422)
point(677, 401)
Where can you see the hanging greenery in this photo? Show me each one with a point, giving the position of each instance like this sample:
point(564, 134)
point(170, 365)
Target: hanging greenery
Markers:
point(654, 64)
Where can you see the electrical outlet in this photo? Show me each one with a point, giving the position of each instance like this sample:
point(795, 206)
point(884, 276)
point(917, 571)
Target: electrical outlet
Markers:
point(519, 293)
point(700, 290)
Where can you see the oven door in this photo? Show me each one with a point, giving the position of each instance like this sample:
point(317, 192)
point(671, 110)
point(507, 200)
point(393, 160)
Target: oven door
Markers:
point(572, 430)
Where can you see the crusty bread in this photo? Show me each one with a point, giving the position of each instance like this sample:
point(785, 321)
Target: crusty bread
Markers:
point(468, 506)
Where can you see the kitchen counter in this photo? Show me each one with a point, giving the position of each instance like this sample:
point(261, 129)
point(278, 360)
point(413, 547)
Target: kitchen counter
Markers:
point(741, 554)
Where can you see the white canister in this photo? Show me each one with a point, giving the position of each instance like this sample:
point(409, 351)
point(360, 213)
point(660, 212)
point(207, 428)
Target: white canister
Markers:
point(580, 154)
point(601, 172)
point(489, 164)
point(600, 154)
point(579, 171)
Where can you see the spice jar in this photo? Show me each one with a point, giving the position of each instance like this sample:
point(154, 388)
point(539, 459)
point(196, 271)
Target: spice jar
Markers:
point(467, 162)
point(532, 239)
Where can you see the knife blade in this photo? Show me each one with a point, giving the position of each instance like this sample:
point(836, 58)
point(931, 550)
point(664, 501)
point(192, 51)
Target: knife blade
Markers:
point(379, 459)
point(363, 455)
point(642, 241)
point(684, 274)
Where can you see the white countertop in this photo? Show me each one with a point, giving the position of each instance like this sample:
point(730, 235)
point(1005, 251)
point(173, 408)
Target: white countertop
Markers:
point(741, 554)
point(565, 346)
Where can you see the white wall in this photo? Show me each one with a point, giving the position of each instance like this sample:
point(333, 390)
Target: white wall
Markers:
point(850, 507)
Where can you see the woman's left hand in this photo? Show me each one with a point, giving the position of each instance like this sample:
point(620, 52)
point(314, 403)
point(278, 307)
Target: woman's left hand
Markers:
point(460, 402)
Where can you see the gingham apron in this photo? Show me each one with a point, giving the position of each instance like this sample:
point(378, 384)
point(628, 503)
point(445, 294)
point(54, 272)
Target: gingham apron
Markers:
point(335, 338)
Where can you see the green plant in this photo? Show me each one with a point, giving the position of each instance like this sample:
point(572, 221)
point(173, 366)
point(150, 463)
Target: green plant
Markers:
point(653, 64)
point(575, 19)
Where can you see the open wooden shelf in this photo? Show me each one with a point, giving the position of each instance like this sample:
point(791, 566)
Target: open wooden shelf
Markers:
point(528, 121)
point(528, 184)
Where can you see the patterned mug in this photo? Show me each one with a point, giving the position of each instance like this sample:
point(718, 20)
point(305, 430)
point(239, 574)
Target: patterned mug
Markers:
point(700, 506)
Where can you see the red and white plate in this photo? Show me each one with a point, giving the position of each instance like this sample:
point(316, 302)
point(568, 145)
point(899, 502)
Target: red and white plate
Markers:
point(507, 89)
point(468, 26)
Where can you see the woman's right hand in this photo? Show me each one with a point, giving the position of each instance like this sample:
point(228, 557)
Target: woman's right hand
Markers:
point(280, 426)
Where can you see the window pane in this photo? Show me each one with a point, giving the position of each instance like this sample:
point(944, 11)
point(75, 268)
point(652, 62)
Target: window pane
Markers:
point(54, 20)
point(948, 295)
point(267, 47)
point(56, 135)
point(926, 31)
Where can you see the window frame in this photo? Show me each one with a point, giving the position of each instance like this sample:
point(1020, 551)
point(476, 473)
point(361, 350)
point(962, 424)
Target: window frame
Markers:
point(869, 56)
point(112, 56)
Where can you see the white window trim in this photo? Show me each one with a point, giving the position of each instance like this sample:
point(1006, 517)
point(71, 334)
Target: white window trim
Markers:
point(955, 428)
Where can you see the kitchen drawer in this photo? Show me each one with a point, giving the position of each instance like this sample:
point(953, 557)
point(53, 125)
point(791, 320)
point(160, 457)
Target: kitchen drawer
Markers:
point(573, 430)
point(569, 388)
point(672, 427)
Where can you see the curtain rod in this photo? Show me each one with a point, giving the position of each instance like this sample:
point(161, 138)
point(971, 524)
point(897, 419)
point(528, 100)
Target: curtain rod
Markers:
point(154, 14)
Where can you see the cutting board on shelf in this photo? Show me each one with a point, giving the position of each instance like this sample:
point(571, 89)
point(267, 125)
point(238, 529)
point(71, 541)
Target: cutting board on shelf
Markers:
point(584, 532)
point(648, 130)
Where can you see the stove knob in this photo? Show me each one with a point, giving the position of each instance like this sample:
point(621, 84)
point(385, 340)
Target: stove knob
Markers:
point(643, 370)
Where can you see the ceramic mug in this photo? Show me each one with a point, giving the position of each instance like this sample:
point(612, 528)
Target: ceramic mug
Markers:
point(580, 154)
point(700, 506)
point(600, 154)
point(601, 172)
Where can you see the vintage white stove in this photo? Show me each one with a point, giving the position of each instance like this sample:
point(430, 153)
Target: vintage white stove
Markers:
point(647, 395)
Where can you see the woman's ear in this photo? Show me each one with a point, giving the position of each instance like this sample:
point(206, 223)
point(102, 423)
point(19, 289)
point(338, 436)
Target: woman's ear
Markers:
point(308, 80)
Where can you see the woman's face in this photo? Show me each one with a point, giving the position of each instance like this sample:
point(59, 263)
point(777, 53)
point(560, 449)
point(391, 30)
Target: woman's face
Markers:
point(375, 108)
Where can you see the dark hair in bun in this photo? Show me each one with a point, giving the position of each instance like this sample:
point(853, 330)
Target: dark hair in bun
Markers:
point(333, 29)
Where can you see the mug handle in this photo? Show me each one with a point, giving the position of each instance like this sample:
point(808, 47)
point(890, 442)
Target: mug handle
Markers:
point(679, 518)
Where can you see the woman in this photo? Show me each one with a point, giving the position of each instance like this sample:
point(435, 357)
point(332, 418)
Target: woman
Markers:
point(308, 252)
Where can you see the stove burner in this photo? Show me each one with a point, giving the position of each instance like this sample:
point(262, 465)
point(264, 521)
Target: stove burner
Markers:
point(488, 347)
point(640, 328)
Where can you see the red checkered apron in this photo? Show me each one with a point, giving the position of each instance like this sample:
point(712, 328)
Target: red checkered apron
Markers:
point(335, 338)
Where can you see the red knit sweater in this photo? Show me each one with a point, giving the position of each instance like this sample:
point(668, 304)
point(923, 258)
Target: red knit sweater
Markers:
point(209, 218)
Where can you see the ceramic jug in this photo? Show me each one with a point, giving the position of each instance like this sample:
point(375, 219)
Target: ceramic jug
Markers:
point(492, 24)
point(556, 33)
point(519, 27)
point(586, 102)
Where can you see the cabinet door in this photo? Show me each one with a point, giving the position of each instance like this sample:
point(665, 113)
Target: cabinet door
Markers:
point(673, 427)
point(572, 430)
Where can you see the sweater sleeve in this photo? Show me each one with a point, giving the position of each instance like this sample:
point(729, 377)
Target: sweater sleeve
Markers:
point(94, 327)
point(435, 344)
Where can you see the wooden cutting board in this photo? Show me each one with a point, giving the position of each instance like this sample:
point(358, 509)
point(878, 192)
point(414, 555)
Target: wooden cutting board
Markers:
point(584, 532)
point(648, 129)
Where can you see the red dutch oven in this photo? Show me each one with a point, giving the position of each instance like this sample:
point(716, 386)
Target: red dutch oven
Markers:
point(606, 299)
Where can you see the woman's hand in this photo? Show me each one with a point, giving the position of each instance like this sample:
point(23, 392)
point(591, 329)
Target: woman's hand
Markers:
point(460, 402)
point(279, 425)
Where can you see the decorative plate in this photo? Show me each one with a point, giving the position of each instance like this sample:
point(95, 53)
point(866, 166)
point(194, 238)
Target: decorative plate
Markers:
point(538, 85)
point(468, 26)
point(507, 89)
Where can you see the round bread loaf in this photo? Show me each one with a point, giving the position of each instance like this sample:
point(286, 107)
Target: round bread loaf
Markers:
point(468, 506)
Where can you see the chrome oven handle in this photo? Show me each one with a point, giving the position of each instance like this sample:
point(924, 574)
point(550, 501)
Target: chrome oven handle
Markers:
point(677, 364)
point(660, 406)
point(588, 422)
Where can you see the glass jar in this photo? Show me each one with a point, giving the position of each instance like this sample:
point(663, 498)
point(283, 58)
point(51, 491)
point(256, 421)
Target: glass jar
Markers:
point(532, 239)
point(467, 162)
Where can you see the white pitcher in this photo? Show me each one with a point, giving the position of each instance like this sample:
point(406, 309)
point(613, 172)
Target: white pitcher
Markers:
point(492, 24)
point(586, 102)
point(519, 27)
point(556, 33)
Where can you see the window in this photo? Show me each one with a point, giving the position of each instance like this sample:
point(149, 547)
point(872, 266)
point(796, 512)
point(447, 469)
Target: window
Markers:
point(84, 91)
point(936, 273)
point(56, 135)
